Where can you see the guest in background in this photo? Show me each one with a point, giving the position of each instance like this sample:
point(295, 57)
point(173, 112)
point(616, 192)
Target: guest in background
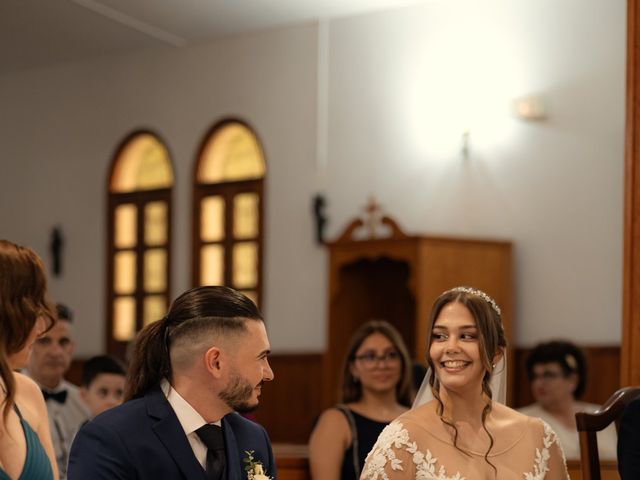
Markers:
point(26, 451)
point(103, 379)
point(49, 360)
point(376, 389)
point(557, 371)
point(629, 442)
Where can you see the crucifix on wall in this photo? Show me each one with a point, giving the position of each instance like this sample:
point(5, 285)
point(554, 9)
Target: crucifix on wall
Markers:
point(56, 247)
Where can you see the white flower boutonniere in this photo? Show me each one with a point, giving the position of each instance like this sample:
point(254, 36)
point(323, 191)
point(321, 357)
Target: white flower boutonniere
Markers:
point(254, 468)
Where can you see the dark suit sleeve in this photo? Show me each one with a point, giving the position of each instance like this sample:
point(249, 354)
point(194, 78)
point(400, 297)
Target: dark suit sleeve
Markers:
point(271, 470)
point(629, 443)
point(98, 453)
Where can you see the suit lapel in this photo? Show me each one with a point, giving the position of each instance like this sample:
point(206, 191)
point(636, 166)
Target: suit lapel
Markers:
point(234, 472)
point(171, 434)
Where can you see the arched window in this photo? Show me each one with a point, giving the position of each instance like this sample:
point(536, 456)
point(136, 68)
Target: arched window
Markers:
point(228, 209)
point(139, 238)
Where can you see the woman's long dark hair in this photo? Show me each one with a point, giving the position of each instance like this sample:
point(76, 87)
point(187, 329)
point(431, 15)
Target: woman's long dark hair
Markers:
point(193, 314)
point(492, 340)
point(352, 389)
point(23, 299)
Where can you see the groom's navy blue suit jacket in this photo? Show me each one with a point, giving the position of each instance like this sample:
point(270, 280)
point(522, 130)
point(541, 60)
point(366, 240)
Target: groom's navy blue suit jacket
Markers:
point(143, 440)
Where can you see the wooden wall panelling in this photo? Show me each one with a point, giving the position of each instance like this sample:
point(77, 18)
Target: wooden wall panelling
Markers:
point(292, 461)
point(608, 470)
point(630, 353)
point(290, 404)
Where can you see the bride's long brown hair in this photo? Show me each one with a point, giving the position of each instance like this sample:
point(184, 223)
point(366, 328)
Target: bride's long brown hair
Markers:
point(492, 340)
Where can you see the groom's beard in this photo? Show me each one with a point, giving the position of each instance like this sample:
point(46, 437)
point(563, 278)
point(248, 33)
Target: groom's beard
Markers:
point(237, 395)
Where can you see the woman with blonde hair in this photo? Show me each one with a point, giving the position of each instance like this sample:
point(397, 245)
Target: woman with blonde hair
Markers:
point(459, 427)
point(376, 388)
point(26, 451)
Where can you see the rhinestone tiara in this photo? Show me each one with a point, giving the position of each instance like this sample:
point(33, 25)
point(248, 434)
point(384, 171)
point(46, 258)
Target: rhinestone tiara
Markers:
point(479, 293)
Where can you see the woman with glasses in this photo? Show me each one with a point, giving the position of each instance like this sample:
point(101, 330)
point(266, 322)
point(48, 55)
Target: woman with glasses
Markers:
point(376, 388)
point(459, 427)
point(557, 371)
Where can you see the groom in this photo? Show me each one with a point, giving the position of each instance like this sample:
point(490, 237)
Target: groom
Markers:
point(190, 373)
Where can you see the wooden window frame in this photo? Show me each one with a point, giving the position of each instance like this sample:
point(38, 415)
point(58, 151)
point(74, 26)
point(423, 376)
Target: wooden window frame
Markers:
point(227, 190)
point(138, 198)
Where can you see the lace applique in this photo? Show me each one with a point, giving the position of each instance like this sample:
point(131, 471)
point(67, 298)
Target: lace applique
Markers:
point(396, 436)
point(541, 465)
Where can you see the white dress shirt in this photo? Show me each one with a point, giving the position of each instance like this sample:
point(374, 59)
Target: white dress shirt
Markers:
point(64, 421)
point(189, 419)
point(569, 438)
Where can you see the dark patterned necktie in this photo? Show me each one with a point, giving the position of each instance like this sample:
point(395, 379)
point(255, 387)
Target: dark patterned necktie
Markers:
point(211, 436)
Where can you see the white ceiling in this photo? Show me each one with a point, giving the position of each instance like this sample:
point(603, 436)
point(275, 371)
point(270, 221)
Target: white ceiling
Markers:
point(38, 33)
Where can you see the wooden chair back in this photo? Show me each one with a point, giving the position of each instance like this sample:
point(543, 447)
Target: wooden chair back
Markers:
point(591, 423)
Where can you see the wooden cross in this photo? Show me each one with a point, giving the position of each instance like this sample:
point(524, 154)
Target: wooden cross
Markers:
point(372, 216)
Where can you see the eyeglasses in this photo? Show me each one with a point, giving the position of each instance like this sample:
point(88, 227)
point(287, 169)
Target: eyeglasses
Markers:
point(370, 359)
point(546, 375)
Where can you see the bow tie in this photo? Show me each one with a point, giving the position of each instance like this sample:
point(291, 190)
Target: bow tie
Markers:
point(59, 397)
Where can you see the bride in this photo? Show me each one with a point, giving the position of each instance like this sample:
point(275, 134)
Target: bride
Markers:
point(459, 427)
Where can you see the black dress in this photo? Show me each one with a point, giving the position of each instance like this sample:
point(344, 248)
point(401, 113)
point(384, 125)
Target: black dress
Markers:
point(368, 431)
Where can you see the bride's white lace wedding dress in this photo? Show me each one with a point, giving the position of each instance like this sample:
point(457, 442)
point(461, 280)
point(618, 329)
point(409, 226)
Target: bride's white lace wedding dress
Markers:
point(418, 445)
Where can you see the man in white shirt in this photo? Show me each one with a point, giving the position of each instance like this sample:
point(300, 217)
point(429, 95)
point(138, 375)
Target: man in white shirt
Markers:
point(49, 360)
point(190, 373)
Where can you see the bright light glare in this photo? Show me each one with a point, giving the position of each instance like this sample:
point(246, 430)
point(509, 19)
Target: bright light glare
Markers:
point(468, 73)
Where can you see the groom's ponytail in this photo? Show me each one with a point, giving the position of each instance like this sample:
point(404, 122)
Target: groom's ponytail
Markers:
point(150, 362)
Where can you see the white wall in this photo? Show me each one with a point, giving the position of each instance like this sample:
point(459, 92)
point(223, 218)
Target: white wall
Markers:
point(60, 128)
point(399, 85)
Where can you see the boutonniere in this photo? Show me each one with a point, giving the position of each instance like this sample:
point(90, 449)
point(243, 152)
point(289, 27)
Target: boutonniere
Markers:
point(254, 468)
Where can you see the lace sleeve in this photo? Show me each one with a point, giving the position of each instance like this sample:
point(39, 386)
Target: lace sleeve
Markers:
point(396, 456)
point(550, 462)
point(390, 457)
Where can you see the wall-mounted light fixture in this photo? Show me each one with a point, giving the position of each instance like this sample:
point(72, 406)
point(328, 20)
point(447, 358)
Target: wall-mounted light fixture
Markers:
point(465, 144)
point(530, 108)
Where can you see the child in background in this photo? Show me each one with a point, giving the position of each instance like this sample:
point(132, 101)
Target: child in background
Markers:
point(103, 380)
